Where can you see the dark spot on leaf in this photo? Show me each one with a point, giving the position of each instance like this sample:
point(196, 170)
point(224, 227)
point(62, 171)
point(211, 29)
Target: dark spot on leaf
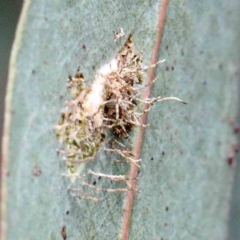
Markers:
point(33, 71)
point(231, 159)
point(67, 212)
point(99, 178)
point(165, 224)
point(139, 171)
point(235, 125)
point(36, 171)
point(163, 153)
point(63, 232)
point(93, 67)
point(236, 128)
point(167, 47)
point(172, 68)
point(61, 97)
point(235, 147)
point(167, 68)
point(94, 182)
point(83, 47)
point(166, 208)
point(180, 150)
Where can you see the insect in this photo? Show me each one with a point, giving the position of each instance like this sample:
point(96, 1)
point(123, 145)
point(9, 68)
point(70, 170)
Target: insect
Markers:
point(110, 103)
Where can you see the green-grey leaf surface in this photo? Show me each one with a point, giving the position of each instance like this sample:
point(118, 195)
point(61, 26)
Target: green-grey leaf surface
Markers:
point(185, 182)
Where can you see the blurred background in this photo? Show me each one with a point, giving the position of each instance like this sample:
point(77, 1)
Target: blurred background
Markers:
point(9, 14)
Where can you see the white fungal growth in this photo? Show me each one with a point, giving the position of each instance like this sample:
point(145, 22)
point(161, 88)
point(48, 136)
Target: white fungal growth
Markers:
point(107, 69)
point(94, 99)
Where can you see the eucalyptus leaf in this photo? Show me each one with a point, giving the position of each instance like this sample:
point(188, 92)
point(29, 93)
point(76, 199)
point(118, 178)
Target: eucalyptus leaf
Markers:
point(184, 179)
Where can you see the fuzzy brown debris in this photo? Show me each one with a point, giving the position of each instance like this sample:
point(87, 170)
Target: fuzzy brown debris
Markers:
point(109, 103)
point(119, 110)
point(79, 129)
